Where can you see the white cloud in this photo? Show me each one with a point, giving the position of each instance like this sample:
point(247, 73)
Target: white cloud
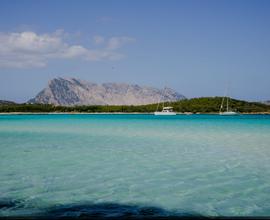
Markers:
point(72, 52)
point(29, 49)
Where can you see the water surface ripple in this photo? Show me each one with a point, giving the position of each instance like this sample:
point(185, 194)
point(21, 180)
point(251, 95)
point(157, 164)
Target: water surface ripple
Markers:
point(125, 165)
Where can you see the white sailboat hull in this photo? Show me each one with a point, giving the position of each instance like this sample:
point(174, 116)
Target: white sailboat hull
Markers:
point(164, 113)
point(228, 113)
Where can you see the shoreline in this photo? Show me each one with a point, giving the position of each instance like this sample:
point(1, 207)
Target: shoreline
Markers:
point(117, 113)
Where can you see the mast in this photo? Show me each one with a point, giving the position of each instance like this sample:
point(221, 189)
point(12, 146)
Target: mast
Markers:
point(163, 97)
point(159, 101)
point(227, 103)
point(158, 105)
point(222, 102)
point(221, 106)
point(225, 96)
point(227, 111)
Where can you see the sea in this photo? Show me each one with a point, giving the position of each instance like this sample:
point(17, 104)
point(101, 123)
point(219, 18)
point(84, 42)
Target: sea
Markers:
point(120, 165)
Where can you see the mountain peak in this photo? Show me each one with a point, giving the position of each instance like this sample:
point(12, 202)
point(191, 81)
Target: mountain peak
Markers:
point(72, 91)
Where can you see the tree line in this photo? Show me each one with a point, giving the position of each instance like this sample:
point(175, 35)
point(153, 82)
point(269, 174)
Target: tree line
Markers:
point(194, 105)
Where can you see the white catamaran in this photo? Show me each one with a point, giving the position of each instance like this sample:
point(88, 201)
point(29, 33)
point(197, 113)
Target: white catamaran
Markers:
point(166, 110)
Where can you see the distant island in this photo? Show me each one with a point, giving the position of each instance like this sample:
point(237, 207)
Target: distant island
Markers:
point(70, 95)
point(72, 92)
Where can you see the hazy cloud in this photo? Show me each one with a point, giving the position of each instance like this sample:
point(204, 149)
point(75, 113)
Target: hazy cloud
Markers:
point(29, 49)
point(117, 42)
point(99, 39)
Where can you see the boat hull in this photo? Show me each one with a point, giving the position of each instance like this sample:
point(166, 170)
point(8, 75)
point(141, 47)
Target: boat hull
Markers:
point(228, 113)
point(164, 113)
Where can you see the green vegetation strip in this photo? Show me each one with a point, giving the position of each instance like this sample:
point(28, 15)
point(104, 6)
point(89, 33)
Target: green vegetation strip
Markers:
point(195, 105)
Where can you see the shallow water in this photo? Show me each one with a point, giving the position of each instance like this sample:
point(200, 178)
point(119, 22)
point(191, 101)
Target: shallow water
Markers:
point(114, 165)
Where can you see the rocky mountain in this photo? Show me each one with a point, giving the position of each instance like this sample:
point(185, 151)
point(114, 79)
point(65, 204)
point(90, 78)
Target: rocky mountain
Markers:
point(70, 92)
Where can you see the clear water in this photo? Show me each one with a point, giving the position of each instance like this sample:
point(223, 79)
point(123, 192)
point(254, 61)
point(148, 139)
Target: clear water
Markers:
point(113, 165)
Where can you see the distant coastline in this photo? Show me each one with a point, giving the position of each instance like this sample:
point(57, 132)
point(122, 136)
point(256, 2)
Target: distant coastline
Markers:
point(203, 105)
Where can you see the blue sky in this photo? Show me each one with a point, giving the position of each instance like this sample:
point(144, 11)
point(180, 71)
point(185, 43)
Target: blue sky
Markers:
point(194, 47)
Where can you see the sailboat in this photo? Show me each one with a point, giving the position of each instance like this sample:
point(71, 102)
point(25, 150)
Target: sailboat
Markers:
point(228, 111)
point(166, 110)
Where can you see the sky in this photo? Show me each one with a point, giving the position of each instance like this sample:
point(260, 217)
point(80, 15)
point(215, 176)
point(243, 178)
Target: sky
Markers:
point(197, 47)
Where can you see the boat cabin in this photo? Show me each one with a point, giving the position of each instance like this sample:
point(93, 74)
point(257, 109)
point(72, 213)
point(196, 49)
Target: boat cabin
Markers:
point(167, 109)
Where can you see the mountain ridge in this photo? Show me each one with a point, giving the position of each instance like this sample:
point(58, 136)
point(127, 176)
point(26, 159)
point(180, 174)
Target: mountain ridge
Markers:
point(72, 91)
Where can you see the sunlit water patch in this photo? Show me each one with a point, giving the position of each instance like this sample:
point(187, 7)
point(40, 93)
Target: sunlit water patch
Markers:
point(122, 165)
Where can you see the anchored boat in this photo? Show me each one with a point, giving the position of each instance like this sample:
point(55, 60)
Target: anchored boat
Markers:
point(228, 111)
point(165, 111)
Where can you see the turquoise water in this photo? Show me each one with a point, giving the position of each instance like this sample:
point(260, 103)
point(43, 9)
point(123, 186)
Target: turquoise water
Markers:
point(115, 165)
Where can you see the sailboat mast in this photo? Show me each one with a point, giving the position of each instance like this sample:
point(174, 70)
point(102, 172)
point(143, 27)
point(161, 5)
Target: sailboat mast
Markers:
point(227, 103)
point(228, 111)
point(158, 103)
point(163, 97)
point(222, 102)
point(160, 100)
